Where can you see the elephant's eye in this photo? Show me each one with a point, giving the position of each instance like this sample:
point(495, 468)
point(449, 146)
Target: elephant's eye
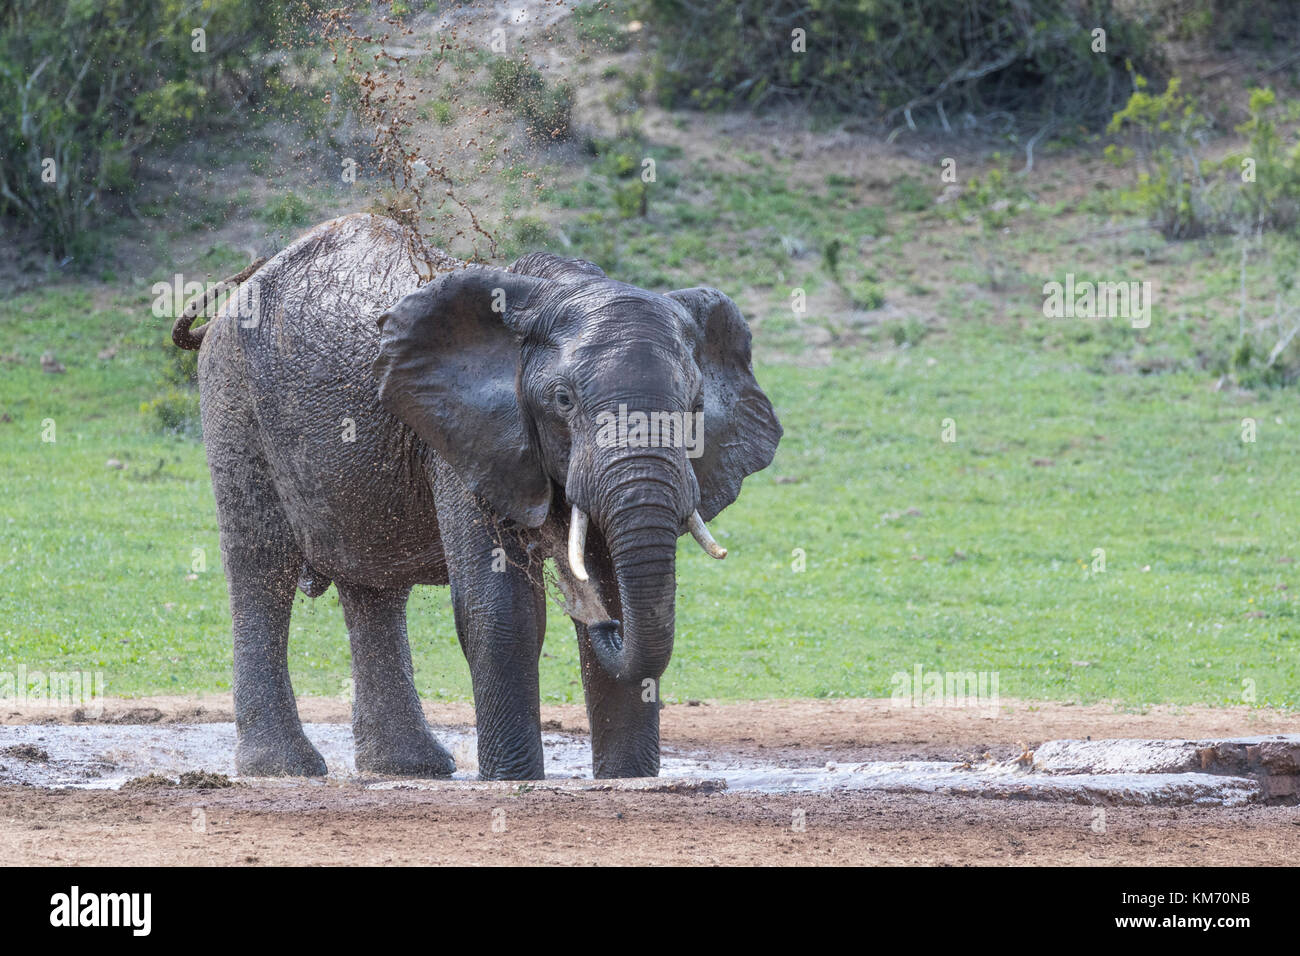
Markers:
point(563, 398)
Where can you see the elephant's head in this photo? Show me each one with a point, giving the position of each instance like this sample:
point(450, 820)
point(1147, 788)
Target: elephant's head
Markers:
point(553, 390)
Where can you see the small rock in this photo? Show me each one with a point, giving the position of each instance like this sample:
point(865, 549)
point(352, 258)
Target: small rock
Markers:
point(114, 463)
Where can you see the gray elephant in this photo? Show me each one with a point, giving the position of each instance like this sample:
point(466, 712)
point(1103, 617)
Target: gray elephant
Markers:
point(379, 415)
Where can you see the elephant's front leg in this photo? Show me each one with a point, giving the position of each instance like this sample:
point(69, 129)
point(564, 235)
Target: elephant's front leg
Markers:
point(501, 621)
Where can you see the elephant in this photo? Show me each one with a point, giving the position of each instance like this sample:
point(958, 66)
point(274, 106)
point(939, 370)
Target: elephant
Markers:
point(379, 415)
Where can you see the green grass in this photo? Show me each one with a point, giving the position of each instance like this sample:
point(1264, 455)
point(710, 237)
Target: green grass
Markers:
point(992, 574)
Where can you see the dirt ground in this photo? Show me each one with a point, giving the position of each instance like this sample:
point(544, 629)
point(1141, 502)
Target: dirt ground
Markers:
point(341, 822)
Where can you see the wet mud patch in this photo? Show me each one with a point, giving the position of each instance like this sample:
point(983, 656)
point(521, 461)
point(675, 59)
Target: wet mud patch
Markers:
point(1228, 772)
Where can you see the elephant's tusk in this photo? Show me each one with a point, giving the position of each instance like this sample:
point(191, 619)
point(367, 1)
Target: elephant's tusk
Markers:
point(700, 531)
point(578, 543)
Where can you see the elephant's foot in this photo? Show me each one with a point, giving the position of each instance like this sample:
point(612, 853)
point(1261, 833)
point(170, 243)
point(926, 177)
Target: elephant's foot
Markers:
point(611, 766)
point(415, 754)
point(511, 760)
point(507, 771)
point(282, 755)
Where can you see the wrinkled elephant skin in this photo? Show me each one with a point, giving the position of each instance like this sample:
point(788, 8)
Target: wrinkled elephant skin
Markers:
point(378, 415)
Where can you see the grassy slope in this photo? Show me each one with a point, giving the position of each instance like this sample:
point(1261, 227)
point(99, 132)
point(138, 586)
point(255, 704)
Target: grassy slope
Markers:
point(992, 574)
point(1062, 448)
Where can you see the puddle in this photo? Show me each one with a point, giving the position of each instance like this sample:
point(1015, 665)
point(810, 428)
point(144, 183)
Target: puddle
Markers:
point(105, 756)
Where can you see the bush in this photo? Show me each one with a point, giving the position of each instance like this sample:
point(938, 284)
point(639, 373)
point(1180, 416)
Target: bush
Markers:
point(1185, 195)
point(900, 59)
point(288, 211)
point(1267, 175)
point(175, 410)
point(866, 294)
point(598, 25)
point(619, 162)
point(519, 85)
point(1228, 23)
point(531, 234)
point(87, 87)
point(511, 81)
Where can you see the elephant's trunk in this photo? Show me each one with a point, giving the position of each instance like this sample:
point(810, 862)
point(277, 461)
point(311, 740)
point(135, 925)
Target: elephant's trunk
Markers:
point(640, 527)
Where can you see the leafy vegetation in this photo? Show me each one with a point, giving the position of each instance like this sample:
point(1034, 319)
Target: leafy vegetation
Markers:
point(1187, 194)
point(87, 88)
point(518, 84)
point(947, 59)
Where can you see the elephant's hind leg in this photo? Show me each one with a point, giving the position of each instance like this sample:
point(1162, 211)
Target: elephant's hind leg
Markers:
point(262, 563)
point(388, 725)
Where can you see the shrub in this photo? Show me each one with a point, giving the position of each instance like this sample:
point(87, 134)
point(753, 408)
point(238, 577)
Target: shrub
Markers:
point(598, 25)
point(175, 410)
point(520, 86)
point(1227, 23)
point(1167, 131)
point(288, 211)
point(549, 111)
point(1267, 174)
point(866, 294)
point(1185, 195)
point(900, 59)
point(619, 161)
point(511, 81)
point(86, 88)
point(531, 234)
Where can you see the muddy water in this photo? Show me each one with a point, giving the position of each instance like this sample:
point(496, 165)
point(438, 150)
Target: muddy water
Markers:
point(108, 755)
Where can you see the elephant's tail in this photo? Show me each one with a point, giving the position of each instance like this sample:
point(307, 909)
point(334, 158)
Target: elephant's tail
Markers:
point(181, 334)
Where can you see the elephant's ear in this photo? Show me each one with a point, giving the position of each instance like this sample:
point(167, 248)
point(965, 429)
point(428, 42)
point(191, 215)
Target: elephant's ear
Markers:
point(741, 429)
point(447, 367)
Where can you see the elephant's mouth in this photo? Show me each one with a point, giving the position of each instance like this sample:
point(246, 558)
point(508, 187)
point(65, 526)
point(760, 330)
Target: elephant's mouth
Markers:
point(582, 599)
point(587, 599)
point(627, 601)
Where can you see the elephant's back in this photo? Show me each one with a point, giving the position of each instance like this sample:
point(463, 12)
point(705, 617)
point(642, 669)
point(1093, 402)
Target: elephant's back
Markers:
point(305, 323)
point(350, 475)
point(330, 286)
